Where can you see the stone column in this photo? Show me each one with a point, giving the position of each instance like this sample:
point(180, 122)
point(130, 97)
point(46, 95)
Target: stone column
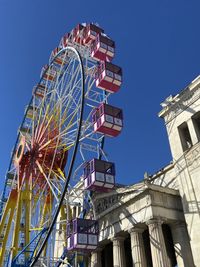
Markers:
point(158, 248)
point(95, 260)
point(137, 247)
point(118, 252)
point(181, 245)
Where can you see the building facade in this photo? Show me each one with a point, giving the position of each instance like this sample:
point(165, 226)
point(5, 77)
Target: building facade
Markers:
point(156, 223)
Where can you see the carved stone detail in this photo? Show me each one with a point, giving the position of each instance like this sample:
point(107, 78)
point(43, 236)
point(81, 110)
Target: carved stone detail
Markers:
point(106, 203)
point(183, 102)
point(193, 157)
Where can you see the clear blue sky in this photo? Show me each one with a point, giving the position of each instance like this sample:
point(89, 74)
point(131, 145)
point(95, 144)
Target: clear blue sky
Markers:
point(158, 47)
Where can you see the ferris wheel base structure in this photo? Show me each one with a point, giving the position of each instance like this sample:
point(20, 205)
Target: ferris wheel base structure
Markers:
point(47, 215)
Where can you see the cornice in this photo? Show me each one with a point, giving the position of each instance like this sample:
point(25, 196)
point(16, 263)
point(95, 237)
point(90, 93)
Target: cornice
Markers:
point(174, 105)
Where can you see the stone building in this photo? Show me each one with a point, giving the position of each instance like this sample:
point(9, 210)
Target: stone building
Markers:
point(156, 223)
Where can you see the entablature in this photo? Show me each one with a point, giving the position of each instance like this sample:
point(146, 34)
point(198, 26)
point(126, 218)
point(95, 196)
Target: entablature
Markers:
point(123, 209)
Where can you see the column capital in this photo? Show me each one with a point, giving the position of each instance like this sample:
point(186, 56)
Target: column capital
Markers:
point(117, 238)
point(158, 221)
point(99, 249)
point(136, 229)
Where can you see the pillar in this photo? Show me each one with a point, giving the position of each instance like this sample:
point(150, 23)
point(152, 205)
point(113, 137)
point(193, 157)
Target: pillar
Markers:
point(137, 247)
point(95, 260)
point(118, 252)
point(181, 244)
point(157, 243)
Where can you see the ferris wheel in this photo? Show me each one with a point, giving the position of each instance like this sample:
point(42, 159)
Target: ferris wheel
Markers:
point(46, 211)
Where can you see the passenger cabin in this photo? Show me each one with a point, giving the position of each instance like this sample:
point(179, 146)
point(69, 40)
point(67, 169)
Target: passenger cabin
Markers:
point(78, 33)
point(108, 120)
point(48, 73)
point(103, 48)
point(54, 53)
point(91, 32)
point(9, 178)
point(108, 77)
point(64, 42)
point(24, 129)
point(82, 234)
point(39, 90)
point(30, 112)
point(99, 175)
point(61, 59)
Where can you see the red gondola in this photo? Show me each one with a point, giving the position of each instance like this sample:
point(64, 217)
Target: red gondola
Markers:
point(39, 90)
point(109, 77)
point(60, 59)
point(91, 32)
point(64, 42)
point(108, 120)
point(103, 48)
point(99, 175)
point(78, 33)
point(48, 73)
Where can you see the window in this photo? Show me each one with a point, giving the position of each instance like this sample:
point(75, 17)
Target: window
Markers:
point(196, 123)
point(185, 136)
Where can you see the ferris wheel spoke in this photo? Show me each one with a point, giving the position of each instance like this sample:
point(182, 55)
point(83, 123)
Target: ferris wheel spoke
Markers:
point(72, 75)
point(46, 108)
point(48, 118)
point(47, 180)
point(69, 139)
point(67, 130)
point(73, 80)
point(39, 138)
point(71, 98)
point(51, 119)
point(64, 83)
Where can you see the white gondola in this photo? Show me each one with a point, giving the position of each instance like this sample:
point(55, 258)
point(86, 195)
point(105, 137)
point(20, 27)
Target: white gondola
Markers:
point(31, 112)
